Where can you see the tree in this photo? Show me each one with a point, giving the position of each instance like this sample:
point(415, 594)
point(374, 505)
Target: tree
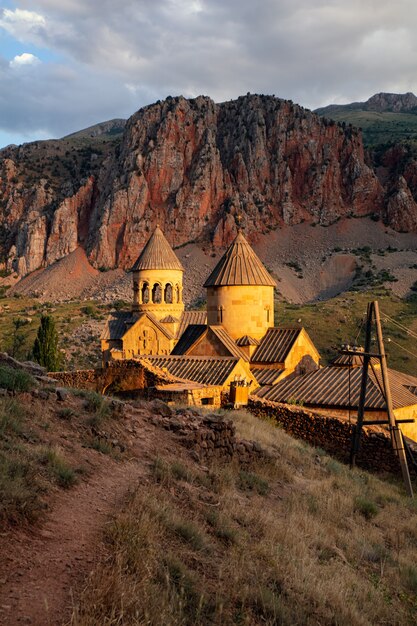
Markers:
point(18, 338)
point(45, 349)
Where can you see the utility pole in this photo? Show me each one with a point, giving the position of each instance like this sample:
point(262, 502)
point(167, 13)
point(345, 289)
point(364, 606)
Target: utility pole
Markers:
point(395, 431)
point(357, 432)
point(396, 434)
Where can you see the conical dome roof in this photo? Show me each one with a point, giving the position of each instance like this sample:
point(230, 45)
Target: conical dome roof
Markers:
point(157, 254)
point(239, 266)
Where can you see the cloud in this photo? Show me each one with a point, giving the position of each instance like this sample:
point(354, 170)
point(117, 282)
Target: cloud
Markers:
point(23, 25)
point(24, 59)
point(136, 51)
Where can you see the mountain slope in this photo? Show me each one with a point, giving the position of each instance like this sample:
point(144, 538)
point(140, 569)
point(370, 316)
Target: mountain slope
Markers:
point(195, 167)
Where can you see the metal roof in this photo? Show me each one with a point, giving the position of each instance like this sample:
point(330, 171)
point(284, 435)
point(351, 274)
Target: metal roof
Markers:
point(275, 345)
point(191, 317)
point(200, 369)
point(266, 376)
point(192, 333)
point(157, 254)
point(247, 341)
point(239, 266)
point(339, 387)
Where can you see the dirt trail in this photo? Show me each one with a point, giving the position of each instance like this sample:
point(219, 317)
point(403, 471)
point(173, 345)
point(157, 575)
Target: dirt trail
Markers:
point(41, 570)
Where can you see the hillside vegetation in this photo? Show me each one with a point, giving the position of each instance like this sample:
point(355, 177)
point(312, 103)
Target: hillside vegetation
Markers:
point(297, 539)
point(341, 320)
point(377, 127)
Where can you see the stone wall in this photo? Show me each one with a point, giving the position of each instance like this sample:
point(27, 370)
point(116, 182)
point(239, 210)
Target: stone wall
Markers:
point(332, 434)
point(120, 376)
point(209, 437)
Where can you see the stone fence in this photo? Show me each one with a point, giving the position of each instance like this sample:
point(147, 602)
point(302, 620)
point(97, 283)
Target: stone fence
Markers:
point(332, 434)
point(118, 377)
point(209, 437)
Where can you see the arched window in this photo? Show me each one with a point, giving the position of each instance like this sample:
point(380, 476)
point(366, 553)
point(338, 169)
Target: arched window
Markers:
point(157, 294)
point(177, 293)
point(145, 293)
point(168, 293)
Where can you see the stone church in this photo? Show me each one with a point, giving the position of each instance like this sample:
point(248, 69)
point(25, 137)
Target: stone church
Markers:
point(237, 327)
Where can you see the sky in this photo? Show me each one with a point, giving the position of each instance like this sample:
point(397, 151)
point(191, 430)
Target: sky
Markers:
point(68, 64)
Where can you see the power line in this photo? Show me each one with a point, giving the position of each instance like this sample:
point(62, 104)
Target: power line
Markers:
point(409, 332)
point(402, 347)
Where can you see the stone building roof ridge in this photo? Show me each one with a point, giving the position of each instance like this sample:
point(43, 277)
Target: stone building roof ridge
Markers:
point(239, 265)
point(157, 254)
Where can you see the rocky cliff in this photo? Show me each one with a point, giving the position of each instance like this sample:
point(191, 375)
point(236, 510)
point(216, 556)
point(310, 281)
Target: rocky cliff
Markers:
point(195, 167)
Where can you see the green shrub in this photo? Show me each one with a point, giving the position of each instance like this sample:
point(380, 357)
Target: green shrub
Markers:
point(15, 380)
point(66, 413)
point(60, 470)
point(366, 507)
point(249, 481)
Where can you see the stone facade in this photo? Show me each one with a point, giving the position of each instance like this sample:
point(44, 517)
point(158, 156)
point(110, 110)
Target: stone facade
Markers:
point(241, 309)
point(158, 291)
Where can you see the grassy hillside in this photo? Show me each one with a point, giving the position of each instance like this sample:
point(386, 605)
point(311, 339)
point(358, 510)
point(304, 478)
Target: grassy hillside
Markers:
point(378, 128)
point(340, 320)
point(295, 540)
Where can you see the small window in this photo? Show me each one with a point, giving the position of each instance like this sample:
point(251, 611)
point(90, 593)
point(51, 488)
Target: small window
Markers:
point(206, 401)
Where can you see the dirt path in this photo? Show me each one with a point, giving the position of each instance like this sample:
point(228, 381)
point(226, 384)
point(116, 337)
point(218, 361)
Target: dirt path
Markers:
point(41, 571)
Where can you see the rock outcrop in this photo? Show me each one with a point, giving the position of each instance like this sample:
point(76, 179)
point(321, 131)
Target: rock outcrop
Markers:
point(198, 169)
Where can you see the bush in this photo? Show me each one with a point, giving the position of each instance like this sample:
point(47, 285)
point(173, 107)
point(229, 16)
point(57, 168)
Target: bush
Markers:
point(58, 467)
point(15, 380)
point(366, 507)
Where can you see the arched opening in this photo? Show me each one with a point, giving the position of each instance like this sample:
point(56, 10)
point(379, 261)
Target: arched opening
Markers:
point(145, 293)
point(168, 293)
point(157, 294)
point(177, 294)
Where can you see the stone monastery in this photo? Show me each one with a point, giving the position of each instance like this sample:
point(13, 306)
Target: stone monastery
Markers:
point(199, 356)
point(236, 335)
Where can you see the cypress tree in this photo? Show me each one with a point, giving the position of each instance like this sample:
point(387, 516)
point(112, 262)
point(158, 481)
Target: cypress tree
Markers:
point(45, 349)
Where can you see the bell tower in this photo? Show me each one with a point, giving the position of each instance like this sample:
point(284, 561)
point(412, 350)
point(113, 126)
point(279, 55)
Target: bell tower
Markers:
point(157, 279)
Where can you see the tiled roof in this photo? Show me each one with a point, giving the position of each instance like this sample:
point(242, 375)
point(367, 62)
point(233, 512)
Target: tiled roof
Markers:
point(247, 341)
point(169, 319)
point(192, 333)
point(239, 266)
point(157, 254)
point(160, 326)
point(191, 317)
point(339, 387)
point(200, 369)
point(266, 376)
point(275, 345)
point(116, 325)
point(229, 343)
point(119, 322)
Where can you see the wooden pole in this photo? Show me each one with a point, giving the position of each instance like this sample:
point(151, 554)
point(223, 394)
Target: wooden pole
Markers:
point(396, 434)
point(356, 437)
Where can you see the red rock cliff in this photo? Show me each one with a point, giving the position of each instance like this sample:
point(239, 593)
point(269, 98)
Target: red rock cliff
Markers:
point(193, 166)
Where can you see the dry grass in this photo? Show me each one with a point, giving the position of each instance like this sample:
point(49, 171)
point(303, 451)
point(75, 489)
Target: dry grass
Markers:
point(297, 540)
point(43, 447)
